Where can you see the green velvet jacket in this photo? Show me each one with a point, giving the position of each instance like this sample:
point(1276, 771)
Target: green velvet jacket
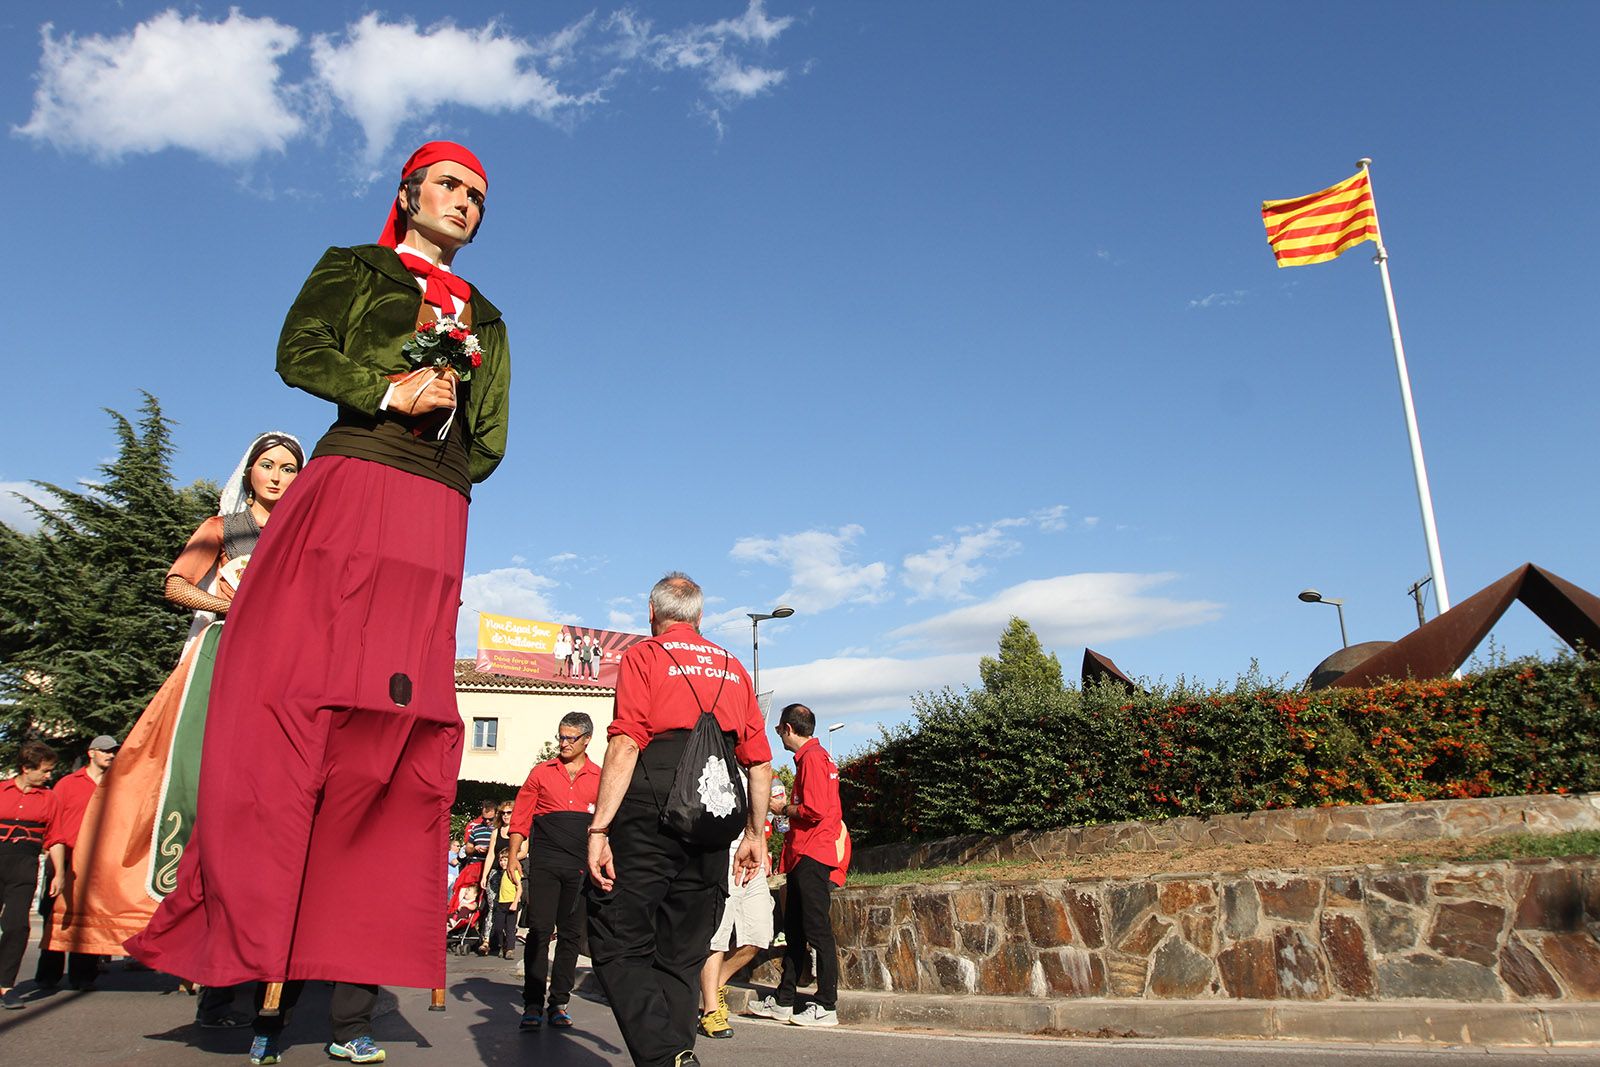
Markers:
point(341, 341)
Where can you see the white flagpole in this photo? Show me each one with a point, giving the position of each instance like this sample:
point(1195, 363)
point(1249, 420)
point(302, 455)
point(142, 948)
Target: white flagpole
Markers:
point(1441, 593)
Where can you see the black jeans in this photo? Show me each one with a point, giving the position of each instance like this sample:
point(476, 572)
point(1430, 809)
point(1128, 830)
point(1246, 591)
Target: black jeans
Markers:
point(651, 934)
point(806, 921)
point(19, 877)
point(555, 903)
point(81, 967)
point(350, 1011)
point(503, 928)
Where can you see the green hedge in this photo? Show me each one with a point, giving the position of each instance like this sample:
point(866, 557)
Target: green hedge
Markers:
point(470, 796)
point(1038, 755)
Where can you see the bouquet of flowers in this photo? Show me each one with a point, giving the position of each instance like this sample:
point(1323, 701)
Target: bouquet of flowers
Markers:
point(445, 344)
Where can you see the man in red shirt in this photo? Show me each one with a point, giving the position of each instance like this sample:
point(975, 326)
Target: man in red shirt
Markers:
point(656, 897)
point(27, 818)
point(553, 808)
point(811, 855)
point(72, 800)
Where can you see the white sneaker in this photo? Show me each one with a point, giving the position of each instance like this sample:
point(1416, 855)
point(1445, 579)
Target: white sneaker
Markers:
point(814, 1014)
point(769, 1008)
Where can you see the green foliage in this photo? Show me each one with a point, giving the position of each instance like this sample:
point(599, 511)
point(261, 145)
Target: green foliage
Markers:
point(1022, 661)
point(1026, 753)
point(470, 795)
point(86, 637)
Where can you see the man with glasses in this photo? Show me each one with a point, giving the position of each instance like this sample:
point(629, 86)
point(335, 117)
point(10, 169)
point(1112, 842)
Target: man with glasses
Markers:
point(554, 807)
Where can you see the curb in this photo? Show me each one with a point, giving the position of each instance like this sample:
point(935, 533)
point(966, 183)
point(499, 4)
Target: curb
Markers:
point(1411, 1021)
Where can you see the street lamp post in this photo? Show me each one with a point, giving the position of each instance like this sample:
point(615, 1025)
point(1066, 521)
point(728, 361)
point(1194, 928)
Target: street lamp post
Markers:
point(782, 611)
point(1311, 596)
point(831, 729)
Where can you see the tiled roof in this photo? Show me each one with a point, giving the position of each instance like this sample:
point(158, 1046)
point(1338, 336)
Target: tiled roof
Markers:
point(470, 678)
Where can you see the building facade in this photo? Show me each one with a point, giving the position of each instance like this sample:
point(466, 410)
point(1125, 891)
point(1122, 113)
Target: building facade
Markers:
point(511, 722)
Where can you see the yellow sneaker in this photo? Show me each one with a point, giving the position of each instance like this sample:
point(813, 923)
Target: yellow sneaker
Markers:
point(714, 1023)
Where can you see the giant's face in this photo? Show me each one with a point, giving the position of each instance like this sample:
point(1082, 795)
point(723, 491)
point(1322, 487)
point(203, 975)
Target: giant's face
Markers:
point(449, 204)
point(271, 474)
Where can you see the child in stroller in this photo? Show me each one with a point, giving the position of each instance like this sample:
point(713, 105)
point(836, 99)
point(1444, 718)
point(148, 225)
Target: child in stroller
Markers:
point(463, 925)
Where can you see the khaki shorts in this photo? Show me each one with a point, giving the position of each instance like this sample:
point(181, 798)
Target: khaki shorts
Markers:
point(749, 912)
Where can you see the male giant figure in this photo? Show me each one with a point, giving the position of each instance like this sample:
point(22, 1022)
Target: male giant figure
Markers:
point(332, 752)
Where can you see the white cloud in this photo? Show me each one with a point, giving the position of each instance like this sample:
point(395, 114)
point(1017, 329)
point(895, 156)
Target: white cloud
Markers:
point(945, 570)
point(819, 576)
point(1220, 300)
point(1091, 521)
point(1052, 519)
point(514, 591)
point(173, 82)
point(216, 88)
point(624, 622)
point(866, 686)
point(16, 513)
point(1072, 609)
point(707, 50)
point(445, 64)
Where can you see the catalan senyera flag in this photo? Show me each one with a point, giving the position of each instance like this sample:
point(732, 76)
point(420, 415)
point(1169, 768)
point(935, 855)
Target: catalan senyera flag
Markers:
point(1311, 229)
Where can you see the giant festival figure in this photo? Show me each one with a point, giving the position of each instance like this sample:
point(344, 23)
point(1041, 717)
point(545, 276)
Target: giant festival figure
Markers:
point(334, 742)
point(126, 854)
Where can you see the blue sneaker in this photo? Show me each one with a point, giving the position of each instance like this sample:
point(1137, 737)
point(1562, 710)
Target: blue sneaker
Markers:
point(357, 1050)
point(265, 1049)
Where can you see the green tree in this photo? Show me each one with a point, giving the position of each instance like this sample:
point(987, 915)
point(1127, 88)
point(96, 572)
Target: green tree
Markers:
point(86, 637)
point(1022, 662)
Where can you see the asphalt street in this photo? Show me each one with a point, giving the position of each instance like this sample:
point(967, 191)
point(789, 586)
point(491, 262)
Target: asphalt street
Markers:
point(136, 1017)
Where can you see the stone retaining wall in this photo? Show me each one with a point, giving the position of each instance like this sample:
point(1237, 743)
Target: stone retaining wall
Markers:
point(1496, 931)
point(1390, 822)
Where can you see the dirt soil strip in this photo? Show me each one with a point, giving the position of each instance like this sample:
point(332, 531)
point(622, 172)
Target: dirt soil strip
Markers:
point(1223, 858)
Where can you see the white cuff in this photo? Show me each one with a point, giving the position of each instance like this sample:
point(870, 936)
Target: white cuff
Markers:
point(388, 395)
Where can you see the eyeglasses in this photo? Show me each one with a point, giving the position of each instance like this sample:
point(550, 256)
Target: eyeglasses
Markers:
point(563, 739)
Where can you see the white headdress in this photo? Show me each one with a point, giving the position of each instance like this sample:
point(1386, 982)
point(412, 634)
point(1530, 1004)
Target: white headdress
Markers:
point(235, 495)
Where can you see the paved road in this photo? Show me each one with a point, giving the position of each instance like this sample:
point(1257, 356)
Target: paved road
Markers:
point(139, 1018)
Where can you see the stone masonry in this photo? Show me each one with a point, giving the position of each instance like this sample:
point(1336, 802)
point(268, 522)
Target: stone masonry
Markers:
point(1494, 931)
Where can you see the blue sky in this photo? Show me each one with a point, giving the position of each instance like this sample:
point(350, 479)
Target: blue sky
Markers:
point(912, 315)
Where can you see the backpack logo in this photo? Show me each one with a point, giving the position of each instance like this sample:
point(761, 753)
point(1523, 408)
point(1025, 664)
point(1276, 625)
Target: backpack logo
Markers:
point(717, 794)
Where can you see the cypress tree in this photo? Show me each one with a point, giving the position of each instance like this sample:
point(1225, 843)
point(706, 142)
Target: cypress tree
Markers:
point(86, 637)
point(1022, 661)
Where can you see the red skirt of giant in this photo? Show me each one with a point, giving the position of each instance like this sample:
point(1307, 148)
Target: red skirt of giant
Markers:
point(332, 747)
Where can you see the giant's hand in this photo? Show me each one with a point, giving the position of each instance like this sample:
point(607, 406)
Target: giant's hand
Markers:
point(428, 390)
point(602, 872)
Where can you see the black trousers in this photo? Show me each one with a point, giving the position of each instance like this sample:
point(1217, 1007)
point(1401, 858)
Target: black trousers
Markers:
point(806, 921)
point(19, 877)
point(350, 1011)
point(81, 967)
point(555, 903)
point(503, 928)
point(651, 934)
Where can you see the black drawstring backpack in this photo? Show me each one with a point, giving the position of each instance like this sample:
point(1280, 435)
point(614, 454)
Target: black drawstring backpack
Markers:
point(706, 805)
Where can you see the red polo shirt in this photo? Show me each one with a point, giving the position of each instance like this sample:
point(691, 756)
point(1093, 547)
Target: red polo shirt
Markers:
point(72, 800)
point(26, 819)
point(553, 810)
point(815, 817)
point(658, 682)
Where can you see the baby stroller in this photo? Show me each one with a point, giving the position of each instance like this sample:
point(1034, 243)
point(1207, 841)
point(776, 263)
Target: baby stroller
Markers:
point(463, 922)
